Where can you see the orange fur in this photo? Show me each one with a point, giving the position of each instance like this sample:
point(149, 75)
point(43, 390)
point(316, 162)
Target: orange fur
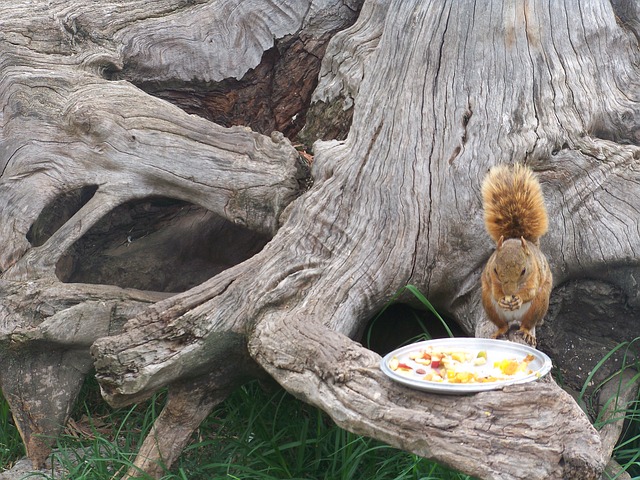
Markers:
point(513, 204)
point(517, 280)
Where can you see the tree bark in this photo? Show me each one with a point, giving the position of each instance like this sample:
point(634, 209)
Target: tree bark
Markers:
point(439, 92)
point(68, 128)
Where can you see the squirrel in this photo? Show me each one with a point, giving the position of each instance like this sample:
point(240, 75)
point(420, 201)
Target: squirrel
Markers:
point(517, 281)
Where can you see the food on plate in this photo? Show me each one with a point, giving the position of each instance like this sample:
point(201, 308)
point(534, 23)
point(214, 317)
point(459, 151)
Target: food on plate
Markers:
point(433, 364)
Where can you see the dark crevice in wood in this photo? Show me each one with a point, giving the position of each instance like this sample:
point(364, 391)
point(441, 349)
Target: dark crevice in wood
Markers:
point(326, 121)
point(158, 244)
point(578, 309)
point(58, 212)
point(401, 324)
point(625, 131)
point(273, 96)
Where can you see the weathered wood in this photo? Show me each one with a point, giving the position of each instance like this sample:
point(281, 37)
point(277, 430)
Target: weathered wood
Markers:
point(534, 132)
point(100, 126)
point(479, 434)
point(67, 126)
point(44, 349)
point(440, 91)
point(341, 72)
point(128, 149)
point(278, 89)
point(111, 134)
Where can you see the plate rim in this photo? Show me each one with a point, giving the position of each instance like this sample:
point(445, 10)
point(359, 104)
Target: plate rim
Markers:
point(462, 388)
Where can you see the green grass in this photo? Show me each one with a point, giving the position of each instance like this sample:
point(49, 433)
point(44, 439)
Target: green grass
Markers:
point(627, 451)
point(11, 447)
point(278, 437)
point(422, 320)
point(255, 434)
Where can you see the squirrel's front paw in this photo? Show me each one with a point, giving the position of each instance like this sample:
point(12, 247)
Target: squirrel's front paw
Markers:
point(527, 337)
point(510, 302)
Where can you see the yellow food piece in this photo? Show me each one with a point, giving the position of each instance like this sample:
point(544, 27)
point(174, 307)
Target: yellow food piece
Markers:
point(461, 377)
point(458, 356)
point(433, 377)
point(506, 366)
point(393, 363)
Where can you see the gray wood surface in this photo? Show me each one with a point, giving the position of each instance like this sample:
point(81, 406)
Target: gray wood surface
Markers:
point(440, 91)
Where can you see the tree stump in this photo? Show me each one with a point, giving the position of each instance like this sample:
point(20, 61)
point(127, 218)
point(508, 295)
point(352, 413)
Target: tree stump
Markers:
point(434, 92)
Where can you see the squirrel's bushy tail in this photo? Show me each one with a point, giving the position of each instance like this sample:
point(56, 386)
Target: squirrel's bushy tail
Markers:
point(513, 203)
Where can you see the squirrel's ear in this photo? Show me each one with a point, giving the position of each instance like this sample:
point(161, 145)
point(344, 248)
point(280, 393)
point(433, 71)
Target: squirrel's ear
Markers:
point(500, 240)
point(525, 247)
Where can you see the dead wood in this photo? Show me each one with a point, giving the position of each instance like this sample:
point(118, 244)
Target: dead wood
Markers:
point(439, 92)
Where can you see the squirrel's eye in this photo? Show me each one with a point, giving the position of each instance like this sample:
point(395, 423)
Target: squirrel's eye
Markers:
point(524, 270)
point(495, 270)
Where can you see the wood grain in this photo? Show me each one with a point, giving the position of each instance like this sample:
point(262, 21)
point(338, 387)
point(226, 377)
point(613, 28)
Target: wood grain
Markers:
point(440, 91)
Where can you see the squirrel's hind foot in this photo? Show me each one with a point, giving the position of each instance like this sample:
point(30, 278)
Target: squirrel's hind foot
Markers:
point(501, 333)
point(527, 336)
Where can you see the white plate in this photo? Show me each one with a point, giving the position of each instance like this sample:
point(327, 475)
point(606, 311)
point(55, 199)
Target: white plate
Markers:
point(496, 350)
